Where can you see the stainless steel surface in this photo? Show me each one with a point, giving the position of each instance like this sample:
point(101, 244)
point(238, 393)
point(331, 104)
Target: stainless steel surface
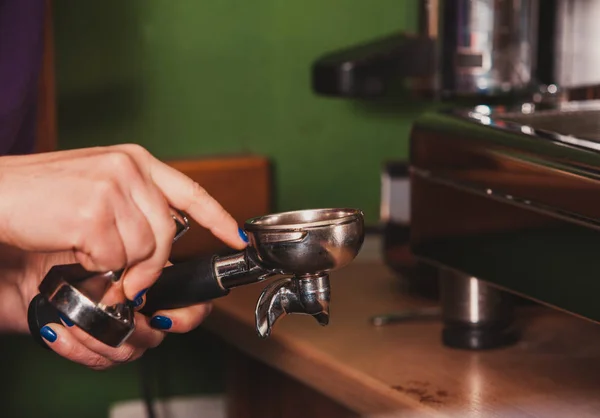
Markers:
point(487, 46)
point(306, 295)
point(181, 222)
point(467, 300)
point(509, 196)
point(306, 241)
point(237, 270)
point(574, 122)
point(577, 57)
point(75, 294)
point(303, 244)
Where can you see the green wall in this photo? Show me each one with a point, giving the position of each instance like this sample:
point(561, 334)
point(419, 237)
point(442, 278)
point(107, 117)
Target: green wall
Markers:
point(191, 78)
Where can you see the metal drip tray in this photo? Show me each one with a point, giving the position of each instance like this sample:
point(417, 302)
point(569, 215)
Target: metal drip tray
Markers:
point(575, 122)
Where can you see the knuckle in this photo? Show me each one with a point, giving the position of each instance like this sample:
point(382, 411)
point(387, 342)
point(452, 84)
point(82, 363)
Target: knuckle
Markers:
point(147, 247)
point(199, 193)
point(223, 216)
point(97, 206)
point(142, 244)
point(98, 362)
point(121, 163)
point(104, 191)
point(71, 352)
point(123, 354)
point(75, 352)
point(87, 239)
point(86, 261)
point(136, 149)
point(119, 160)
point(98, 215)
point(84, 338)
point(137, 354)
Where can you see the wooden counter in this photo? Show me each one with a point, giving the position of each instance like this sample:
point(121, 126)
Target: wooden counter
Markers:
point(403, 370)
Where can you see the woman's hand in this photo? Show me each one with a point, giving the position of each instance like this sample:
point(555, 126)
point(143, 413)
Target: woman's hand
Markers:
point(106, 208)
point(109, 206)
point(21, 273)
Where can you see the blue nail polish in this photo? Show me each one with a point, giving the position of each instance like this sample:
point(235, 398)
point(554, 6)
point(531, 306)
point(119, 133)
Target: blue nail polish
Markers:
point(243, 235)
point(66, 320)
point(161, 322)
point(48, 333)
point(139, 296)
point(137, 302)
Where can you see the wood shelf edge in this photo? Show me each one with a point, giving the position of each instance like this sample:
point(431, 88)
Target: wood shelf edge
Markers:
point(316, 370)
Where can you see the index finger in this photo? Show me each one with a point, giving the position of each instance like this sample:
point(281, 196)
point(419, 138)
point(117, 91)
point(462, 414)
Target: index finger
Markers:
point(187, 195)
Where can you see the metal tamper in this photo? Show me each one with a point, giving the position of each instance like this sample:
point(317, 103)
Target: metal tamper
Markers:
point(303, 245)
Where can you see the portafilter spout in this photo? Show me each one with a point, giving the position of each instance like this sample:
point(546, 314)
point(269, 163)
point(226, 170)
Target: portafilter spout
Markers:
point(308, 295)
point(304, 245)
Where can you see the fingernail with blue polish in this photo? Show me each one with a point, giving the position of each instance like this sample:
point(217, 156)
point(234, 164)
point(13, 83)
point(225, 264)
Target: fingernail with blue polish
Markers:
point(243, 235)
point(161, 322)
point(48, 334)
point(139, 296)
point(137, 302)
point(66, 320)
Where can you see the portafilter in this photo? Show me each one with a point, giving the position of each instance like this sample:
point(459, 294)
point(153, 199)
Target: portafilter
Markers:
point(303, 246)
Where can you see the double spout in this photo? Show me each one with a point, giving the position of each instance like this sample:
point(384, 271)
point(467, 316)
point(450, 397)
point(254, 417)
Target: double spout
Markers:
point(308, 295)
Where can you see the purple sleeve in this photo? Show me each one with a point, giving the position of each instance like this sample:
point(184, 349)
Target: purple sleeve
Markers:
point(21, 50)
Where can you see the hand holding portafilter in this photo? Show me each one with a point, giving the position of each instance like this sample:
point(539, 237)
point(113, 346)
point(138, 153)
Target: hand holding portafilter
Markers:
point(94, 301)
point(304, 245)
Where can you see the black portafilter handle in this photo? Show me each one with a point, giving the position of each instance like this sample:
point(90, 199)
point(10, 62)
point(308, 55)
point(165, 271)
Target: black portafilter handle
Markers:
point(184, 284)
point(180, 285)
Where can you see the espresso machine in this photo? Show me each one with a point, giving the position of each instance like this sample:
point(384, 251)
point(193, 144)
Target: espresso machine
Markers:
point(501, 176)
